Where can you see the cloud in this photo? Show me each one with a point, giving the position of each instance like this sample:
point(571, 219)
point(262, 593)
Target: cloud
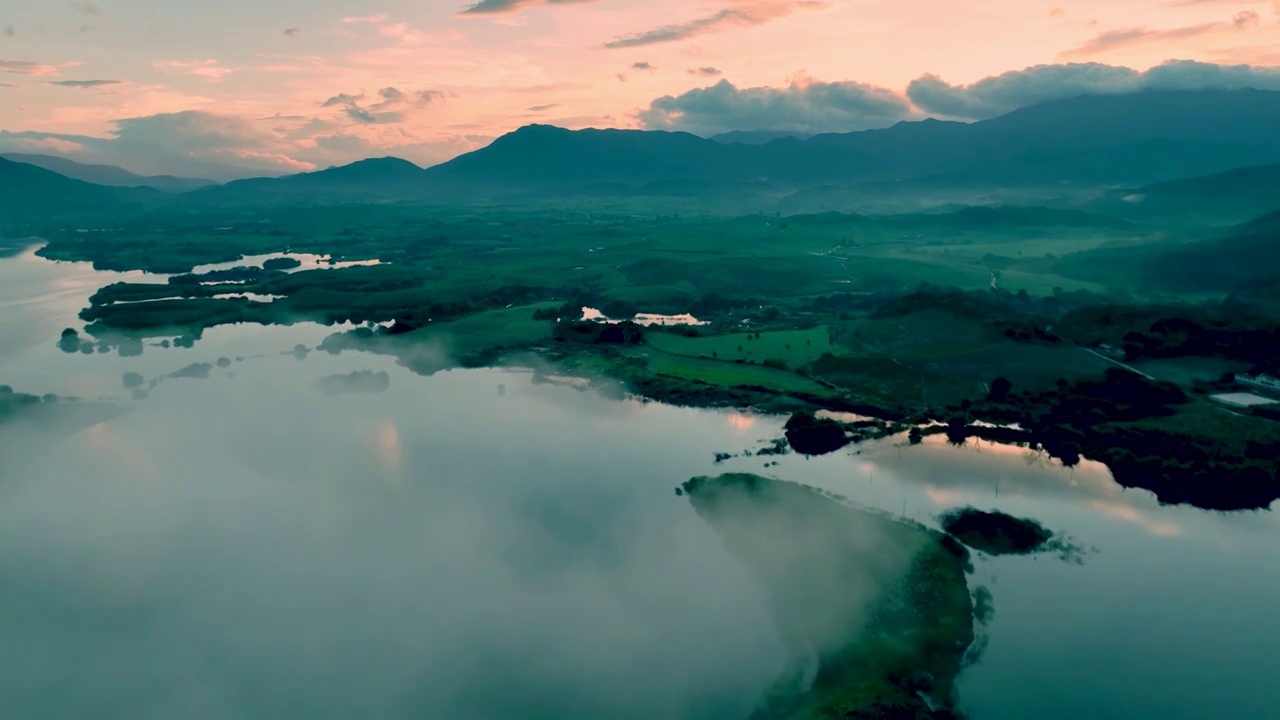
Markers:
point(388, 109)
point(84, 84)
point(1192, 75)
point(86, 8)
point(24, 67)
point(352, 109)
point(192, 143)
point(1009, 91)
point(1246, 19)
point(293, 33)
point(705, 72)
point(645, 66)
point(1124, 38)
point(207, 69)
point(803, 106)
point(367, 117)
point(1001, 93)
point(222, 147)
point(8, 31)
point(1114, 39)
point(542, 108)
point(496, 7)
point(369, 19)
point(741, 15)
point(391, 96)
point(342, 99)
point(54, 145)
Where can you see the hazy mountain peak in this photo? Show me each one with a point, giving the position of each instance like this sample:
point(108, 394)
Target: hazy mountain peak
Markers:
point(109, 175)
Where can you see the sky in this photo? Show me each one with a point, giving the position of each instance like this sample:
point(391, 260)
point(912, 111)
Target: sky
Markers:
point(246, 87)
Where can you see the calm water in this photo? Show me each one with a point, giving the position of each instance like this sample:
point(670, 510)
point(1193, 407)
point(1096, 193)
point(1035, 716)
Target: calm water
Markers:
point(477, 545)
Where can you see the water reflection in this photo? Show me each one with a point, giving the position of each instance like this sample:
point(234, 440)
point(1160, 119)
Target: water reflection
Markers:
point(589, 313)
point(307, 261)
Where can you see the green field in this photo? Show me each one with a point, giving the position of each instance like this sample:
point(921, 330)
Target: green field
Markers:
point(493, 328)
point(794, 348)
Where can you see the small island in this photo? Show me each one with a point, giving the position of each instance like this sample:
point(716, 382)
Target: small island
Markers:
point(811, 435)
point(875, 611)
point(996, 533)
point(282, 263)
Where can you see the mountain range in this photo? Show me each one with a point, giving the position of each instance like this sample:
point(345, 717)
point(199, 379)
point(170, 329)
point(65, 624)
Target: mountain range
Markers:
point(1092, 141)
point(1148, 140)
point(109, 175)
point(29, 193)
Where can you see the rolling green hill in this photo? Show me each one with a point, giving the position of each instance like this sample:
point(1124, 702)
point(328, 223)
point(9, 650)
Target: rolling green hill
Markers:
point(372, 180)
point(1244, 258)
point(1234, 195)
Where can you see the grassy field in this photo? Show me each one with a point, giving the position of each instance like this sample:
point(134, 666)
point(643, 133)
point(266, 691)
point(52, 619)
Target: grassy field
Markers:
point(927, 333)
point(493, 328)
point(728, 374)
point(1211, 425)
point(794, 348)
point(1187, 370)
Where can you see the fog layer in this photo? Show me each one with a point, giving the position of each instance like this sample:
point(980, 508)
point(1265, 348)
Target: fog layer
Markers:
point(248, 548)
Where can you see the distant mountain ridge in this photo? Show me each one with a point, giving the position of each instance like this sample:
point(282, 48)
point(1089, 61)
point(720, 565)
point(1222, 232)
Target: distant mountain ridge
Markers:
point(1083, 144)
point(30, 193)
point(758, 137)
point(108, 175)
point(373, 179)
point(1108, 139)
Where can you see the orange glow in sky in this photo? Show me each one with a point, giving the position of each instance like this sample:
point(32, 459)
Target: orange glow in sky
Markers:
point(281, 87)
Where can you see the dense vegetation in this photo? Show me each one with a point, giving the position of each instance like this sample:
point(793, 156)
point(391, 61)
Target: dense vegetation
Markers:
point(995, 533)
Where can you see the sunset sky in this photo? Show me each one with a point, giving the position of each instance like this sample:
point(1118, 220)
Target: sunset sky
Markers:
point(241, 87)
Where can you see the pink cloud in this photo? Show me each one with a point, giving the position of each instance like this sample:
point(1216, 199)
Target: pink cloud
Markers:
point(366, 19)
point(25, 67)
point(207, 69)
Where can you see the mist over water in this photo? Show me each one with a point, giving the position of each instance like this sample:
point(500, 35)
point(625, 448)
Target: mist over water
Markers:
point(246, 548)
point(475, 545)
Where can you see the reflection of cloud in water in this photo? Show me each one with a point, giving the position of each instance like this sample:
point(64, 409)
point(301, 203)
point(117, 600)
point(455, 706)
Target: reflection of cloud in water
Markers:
point(947, 498)
point(381, 440)
point(741, 423)
point(980, 471)
point(1129, 514)
point(119, 451)
point(390, 450)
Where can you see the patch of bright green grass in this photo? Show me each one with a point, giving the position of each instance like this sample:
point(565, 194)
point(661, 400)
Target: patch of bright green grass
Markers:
point(728, 374)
